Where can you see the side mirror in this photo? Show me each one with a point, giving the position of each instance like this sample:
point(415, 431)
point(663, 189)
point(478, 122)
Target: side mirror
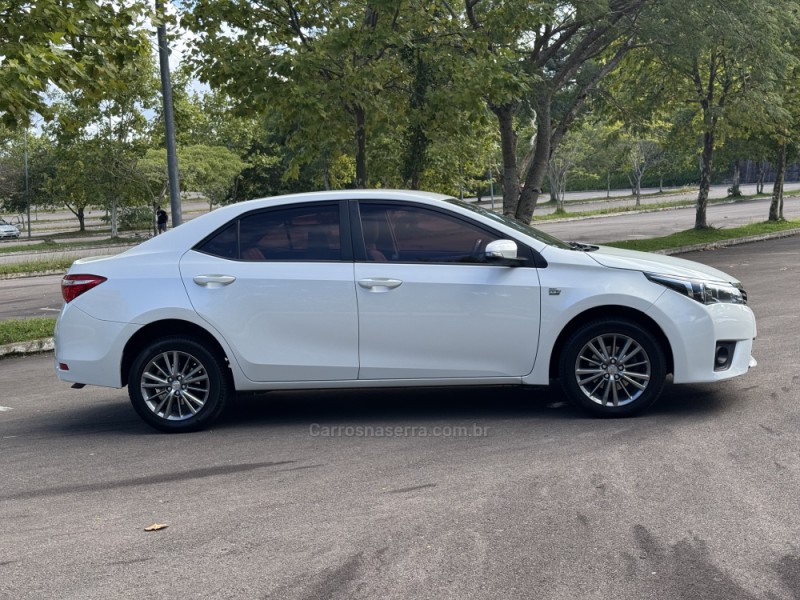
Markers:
point(501, 249)
point(502, 252)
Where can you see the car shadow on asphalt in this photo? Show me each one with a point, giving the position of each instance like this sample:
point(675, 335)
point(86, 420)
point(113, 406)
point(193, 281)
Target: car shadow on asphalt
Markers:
point(420, 405)
point(113, 415)
point(388, 405)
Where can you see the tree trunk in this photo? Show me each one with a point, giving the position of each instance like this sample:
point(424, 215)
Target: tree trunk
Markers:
point(776, 206)
point(361, 147)
point(326, 182)
point(417, 141)
point(700, 221)
point(508, 146)
point(81, 219)
point(538, 171)
point(760, 180)
point(638, 191)
point(737, 180)
point(114, 232)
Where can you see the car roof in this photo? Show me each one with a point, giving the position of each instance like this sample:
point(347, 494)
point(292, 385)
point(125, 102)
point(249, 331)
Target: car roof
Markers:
point(356, 194)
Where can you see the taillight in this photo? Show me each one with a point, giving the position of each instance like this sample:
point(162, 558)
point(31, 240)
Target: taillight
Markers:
point(73, 286)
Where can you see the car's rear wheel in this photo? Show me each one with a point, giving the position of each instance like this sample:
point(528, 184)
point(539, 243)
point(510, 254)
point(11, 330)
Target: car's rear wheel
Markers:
point(612, 367)
point(175, 384)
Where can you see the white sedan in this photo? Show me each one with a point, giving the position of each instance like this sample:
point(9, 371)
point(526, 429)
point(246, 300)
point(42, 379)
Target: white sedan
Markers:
point(369, 288)
point(7, 230)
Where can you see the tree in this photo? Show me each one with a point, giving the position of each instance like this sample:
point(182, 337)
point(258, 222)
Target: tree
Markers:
point(643, 155)
point(11, 171)
point(564, 50)
point(209, 170)
point(704, 56)
point(570, 155)
point(103, 141)
point(321, 66)
point(71, 45)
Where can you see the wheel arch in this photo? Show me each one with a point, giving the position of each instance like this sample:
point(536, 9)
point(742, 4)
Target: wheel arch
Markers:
point(610, 312)
point(168, 327)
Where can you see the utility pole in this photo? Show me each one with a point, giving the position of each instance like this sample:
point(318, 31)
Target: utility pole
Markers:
point(27, 190)
point(169, 118)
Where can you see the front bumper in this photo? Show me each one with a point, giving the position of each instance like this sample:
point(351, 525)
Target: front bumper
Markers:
point(694, 330)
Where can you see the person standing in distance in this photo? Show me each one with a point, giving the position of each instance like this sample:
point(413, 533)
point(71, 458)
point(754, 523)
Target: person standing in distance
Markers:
point(161, 219)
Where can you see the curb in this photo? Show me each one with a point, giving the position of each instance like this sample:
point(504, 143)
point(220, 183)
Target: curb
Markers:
point(731, 242)
point(31, 347)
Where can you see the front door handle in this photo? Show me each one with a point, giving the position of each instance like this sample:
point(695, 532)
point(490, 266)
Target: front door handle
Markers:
point(379, 284)
point(214, 281)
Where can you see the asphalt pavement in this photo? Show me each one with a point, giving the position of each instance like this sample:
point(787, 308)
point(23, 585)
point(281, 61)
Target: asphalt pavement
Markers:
point(307, 496)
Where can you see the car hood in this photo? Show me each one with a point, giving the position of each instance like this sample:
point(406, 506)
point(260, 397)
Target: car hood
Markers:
point(617, 258)
point(8, 228)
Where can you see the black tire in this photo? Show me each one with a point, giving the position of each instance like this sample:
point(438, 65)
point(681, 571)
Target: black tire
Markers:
point(177, 385)
point(612, 368)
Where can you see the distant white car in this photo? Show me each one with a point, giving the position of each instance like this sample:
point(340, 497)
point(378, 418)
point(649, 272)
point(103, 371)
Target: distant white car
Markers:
point(368, 288)
point(7, 230)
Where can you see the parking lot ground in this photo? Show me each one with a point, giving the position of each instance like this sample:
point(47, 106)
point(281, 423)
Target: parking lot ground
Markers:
point(511, 494)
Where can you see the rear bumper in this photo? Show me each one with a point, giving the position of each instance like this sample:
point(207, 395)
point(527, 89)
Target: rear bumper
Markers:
point(88, 350)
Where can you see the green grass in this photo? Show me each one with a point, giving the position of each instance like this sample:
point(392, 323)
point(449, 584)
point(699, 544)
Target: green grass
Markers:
point(568, 214)
point(694, 236)
point(37, 266)
point(24, 330)
point(49, 245)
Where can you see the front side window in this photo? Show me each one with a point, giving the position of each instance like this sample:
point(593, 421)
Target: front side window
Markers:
point(403, 233)
point(305, 233)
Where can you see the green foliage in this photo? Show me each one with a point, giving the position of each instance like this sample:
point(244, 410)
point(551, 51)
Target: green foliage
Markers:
point(209, 170)
point(133, 218)
point(77, 45)
point(349, 83)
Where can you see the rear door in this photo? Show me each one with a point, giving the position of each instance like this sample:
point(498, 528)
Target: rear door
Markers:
point(278, 286)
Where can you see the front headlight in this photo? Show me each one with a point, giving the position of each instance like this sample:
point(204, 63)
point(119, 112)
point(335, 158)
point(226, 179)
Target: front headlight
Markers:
point(707, 292)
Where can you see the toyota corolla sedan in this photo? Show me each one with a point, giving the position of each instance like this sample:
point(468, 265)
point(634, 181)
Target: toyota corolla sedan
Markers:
point(368, 288)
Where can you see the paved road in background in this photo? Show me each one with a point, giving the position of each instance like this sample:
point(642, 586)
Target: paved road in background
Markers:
point(633, 226)
point(697, 499)
point(30, 297)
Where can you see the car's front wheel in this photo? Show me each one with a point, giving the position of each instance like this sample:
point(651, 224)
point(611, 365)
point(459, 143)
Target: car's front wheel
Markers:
point(175, 384)
point(612, 367)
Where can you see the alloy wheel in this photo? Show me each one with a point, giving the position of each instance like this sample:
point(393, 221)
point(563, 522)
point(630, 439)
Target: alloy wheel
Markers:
point(612, 369)
point(175, 385)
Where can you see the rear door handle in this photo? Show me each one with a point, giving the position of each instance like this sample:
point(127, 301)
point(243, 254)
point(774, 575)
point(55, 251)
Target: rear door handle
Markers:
point(214, 281)
point(379, 284)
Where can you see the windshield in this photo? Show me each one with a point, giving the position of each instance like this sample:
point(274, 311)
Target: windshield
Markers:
point(541, 236)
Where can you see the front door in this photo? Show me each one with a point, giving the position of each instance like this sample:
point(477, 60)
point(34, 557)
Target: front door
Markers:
point(430, 307)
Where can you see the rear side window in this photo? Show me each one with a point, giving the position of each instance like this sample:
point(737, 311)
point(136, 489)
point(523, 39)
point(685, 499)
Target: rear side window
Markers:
point(305, 233)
